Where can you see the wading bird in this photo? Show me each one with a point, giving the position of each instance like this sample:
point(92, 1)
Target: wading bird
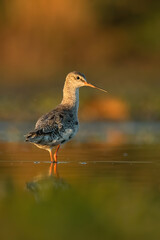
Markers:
point(61, 124)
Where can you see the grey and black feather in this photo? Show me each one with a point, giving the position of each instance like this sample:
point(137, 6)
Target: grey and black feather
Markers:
point(52, 127)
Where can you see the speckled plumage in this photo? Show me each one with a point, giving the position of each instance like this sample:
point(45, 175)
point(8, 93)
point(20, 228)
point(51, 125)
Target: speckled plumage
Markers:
point(61, 124)
point(55, 127)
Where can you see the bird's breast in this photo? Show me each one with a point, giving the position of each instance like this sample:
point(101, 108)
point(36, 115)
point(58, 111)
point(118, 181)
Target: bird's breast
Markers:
point(69, 133)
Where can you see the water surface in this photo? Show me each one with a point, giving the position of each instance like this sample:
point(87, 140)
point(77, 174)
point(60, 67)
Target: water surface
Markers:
point(101, 188)
point(84, 162)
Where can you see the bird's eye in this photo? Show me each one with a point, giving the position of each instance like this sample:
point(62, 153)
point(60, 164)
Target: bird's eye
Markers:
point(78, 77)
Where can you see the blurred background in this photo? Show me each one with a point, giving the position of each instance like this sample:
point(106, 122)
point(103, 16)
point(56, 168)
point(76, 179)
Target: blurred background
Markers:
point(116, 44)
point(106, 185)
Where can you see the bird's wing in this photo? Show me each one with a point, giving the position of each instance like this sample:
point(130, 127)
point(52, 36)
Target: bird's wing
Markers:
point(56, 123)
point(50, 122)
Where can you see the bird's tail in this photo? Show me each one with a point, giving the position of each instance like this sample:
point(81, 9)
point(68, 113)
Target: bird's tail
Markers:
point(31, 136)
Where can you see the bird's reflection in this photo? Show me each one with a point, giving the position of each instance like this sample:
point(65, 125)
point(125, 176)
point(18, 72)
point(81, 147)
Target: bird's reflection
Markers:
point(53, 170)
point(43, 186)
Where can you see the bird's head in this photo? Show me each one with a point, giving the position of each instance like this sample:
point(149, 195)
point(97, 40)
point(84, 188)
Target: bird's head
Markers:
point(77, 80)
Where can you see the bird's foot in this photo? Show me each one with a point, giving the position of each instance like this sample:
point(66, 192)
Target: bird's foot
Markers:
point(54, 162)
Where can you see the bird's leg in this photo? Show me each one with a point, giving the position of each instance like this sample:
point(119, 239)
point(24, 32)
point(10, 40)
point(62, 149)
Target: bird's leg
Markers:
point(50, 153)
point(55, 154)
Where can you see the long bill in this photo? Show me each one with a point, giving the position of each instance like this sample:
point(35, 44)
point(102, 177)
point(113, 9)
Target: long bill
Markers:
point(90, 85)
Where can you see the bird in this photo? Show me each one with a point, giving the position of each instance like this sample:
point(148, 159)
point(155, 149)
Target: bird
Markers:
point(60, 124)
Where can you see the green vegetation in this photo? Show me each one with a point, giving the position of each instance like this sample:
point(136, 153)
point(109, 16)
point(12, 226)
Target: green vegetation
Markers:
point(108, 210)
point(138, 90)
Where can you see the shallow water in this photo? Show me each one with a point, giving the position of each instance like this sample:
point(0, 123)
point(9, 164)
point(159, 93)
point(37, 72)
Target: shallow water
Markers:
point(101, 188)
point(139, 164)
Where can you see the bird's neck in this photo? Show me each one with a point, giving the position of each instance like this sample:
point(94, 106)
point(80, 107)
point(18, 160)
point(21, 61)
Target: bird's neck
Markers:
point(70, 97)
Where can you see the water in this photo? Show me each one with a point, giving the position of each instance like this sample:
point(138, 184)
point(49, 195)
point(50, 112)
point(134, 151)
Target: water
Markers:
point(83, 163)
point(105, 186)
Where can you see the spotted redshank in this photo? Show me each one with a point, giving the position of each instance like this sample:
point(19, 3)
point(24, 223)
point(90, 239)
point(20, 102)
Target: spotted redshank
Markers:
point(61, 124)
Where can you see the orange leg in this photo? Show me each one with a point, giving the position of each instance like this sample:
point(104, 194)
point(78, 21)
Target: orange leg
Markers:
point(50, 153)
point(55, 154)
